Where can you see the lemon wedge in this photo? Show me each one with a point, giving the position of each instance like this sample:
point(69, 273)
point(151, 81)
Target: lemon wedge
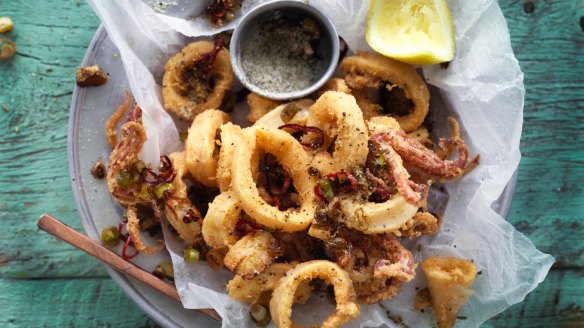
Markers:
point(418, 32)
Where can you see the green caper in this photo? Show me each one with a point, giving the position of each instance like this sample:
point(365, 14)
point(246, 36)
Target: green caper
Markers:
point(260, 315)
point(380, 161)
point(191, 255)
point(162, 188)
point(110, 236)
point(144, 193)
point(125, 178)
point(290, 110)
point(229, 16)
point(326, 187)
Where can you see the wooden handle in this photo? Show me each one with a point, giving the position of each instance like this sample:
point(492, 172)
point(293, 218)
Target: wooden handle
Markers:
point(88, 245)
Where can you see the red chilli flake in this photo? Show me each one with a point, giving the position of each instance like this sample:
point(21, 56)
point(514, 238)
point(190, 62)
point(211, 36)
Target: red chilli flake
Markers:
point(380, 194)
point(244, 226)
point(209, 57)
point(318, 191)
point(353, 183)
point(314, 143)
point(129, 242)
point(167, 173)
point(218, 9)
point(149, 176)
point(285, 184)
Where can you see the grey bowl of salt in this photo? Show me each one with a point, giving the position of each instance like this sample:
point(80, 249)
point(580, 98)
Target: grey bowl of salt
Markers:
point(284, 50)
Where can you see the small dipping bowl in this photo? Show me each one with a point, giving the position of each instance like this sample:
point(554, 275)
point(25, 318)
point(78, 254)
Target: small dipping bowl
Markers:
point(247, 65)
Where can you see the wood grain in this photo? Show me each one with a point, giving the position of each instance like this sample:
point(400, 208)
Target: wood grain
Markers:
point(80, 302)
point(72, 289)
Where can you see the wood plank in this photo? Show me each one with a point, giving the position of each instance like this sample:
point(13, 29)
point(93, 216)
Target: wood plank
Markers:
point(80, 302)
point(557, 302)
point(549, 201)
point(51, 38)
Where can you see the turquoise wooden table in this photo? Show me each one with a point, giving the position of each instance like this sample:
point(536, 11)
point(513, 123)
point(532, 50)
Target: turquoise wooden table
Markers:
point(45, 282)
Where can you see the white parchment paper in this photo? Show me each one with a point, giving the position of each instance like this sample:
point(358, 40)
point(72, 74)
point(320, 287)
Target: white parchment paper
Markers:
point(483, 87)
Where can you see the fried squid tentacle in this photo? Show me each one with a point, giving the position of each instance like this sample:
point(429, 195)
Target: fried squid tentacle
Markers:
point(133, 227)
point(401, 268)
point(377, 264)
point(110, 127)
point(422, 157)
point(122, 175)
point(401, 176)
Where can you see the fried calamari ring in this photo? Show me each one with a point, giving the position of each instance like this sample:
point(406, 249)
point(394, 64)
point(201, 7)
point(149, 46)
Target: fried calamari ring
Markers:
point(283, 296)
point(297, 111)
point(251, 291)
point(122, 162)
point(181, 88)
point(133, 227)
point(180, 169)
point(201, 155)
point(339, 116)
point(379, 124)
point(369, 70)
point(231, 138)
point(374, 218)
point(220, 220)
point(182, 215)
point(334, 84)
point(252, 254)
point(259, 106)
point(291, 155)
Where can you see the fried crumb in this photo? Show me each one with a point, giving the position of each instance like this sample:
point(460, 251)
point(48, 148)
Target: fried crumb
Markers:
point(90, 76)
point(98, 170)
